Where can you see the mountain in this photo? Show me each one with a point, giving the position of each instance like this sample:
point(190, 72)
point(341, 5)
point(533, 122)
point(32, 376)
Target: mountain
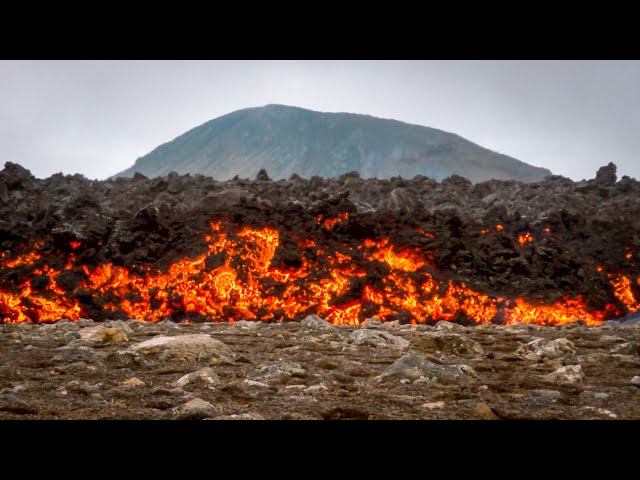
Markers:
point(286, 140)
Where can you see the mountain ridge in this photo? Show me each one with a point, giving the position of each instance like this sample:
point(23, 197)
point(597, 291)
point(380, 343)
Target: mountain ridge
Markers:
point(287, 140)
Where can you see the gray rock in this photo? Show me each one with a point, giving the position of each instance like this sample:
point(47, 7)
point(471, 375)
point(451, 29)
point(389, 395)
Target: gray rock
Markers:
point(588, 394)
point(391, 325)
point(636, 380)
point(542, 348)
point(489, 199)
point(70, 336)
point(248, 325)
point(606, 175)
point(281, 372)
point(453, 343)
point(445, 326)
point(203, 377)
point(85, 322)
point(184, 348)
point(245, 390)
point(315, 324)
point(196, 409)
point(412, 367)
point(433, 405)
point(610, 339)
point(253, 383)
point(121, 324)
point(627, 348)
point(570, 359)
point(127, 359)
point(569, 375)
point(102, 334)
point(372, 322)
point(599, 412)
point(376, 338)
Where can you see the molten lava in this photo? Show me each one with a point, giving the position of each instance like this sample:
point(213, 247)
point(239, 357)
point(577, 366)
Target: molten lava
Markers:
point(239, 275)
point(524, 239)
point(623, 292)
point(329, 223)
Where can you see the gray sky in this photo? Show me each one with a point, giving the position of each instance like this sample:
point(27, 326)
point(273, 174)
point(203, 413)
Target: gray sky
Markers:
point(97, 117)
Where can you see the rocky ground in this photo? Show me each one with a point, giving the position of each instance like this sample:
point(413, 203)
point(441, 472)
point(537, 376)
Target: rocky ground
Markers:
point(313, 370)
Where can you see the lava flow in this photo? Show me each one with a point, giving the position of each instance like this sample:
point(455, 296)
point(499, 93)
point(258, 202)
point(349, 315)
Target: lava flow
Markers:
point(240, 276)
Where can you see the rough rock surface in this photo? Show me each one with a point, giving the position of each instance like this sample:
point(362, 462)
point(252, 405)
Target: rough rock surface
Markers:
point(315, 324)
point(472, 233)
point(101, 334)
point(184, 348)
point(541, 348)
point(276, 374)
point(456, 344)
point(196, 409)
point(371, 338)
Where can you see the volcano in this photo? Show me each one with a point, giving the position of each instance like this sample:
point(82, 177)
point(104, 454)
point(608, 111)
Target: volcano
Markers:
point(289, 140)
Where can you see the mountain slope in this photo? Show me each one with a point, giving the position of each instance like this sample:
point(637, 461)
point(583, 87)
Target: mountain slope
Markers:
point(286, 140)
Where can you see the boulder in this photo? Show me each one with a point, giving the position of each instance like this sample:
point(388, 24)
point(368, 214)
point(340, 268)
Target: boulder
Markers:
point(203, 377)
point(185, 348)
point(569, 375)
point(315, 324)
point(377, 338)
point(196, 409)
point(102, 335)
point(411, 367)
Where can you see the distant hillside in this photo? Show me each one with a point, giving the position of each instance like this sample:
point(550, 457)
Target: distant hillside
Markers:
point(286, 140)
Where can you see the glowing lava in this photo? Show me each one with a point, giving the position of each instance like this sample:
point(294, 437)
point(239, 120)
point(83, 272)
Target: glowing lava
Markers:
point(329, 223)
point(238, 276)
point(524, 239)
point(622, 290)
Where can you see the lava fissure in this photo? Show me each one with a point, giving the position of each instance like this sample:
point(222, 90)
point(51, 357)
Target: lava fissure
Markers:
point(344, 283)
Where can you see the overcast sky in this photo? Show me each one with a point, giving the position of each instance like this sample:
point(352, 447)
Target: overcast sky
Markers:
point(97, 117)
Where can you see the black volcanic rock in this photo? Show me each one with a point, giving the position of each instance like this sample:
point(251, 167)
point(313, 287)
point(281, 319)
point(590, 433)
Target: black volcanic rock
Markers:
point(606, 175)
point(287, 140)
point(578, 234)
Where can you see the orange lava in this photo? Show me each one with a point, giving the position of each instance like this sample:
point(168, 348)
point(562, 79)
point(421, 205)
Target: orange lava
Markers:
point(564, 311)
point(236, 278)
point(329, 223)
point(524, 239)
point(499, 227)
point(622, 290)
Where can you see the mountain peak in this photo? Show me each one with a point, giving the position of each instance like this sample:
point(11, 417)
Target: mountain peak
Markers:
point(286, 140)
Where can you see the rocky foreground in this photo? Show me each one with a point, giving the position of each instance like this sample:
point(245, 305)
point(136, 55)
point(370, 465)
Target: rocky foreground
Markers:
point(313, 370)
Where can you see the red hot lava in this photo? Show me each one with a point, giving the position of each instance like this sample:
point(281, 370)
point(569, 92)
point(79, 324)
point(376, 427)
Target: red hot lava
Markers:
point(237, 277)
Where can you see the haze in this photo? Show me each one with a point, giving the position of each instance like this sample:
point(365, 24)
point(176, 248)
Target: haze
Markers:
point(97, 117)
